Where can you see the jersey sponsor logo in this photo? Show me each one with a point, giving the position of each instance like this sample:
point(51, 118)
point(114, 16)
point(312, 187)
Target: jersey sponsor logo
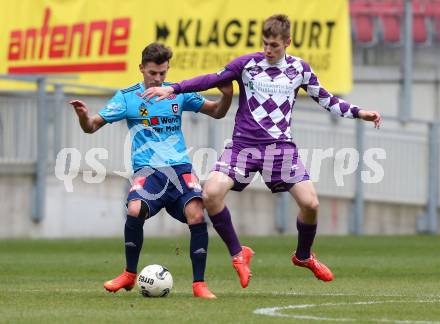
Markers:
point(272, 88)
point(154, 121)
point(192, 181)
point(175, 108)
point(138, 183)
point(143, 111)
point(169, 120)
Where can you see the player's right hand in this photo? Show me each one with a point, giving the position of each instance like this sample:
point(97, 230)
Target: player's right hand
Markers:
point(80, 107)
point(227, 89)
point(159, 92)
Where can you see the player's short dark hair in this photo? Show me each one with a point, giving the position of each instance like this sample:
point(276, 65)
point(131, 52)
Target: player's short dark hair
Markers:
point(277, 25)
point(156, 53)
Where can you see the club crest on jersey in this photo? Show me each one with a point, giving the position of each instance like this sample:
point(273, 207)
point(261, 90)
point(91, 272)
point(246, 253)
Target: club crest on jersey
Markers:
point(143, 110)
point(175, 108)
point(254, 70)
point(291, 72)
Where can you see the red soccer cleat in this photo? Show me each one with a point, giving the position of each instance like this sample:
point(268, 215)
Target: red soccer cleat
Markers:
point(125, 280)
point(319, 269)
point(241, 263)
point(200, 289)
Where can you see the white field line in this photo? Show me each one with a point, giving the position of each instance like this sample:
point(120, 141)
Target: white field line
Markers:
point(277, 311)
point(293, 293)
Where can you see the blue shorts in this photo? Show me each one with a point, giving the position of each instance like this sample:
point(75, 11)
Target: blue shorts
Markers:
point(168, 187)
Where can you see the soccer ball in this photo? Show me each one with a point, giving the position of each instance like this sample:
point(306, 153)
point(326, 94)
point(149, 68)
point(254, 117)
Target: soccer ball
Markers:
point(155, 281)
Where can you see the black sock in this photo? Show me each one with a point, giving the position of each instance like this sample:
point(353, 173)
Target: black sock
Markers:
point(198, 250)
point(306, 235)
point(134, 237)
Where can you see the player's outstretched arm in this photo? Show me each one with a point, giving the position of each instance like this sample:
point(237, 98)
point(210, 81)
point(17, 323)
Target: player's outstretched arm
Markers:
point(325, 99)
point(89, 124)
point(218, 109)
point(373, 116)
point(200, 83)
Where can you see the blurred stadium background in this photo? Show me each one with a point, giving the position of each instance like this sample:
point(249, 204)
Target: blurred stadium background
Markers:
point(391, 66)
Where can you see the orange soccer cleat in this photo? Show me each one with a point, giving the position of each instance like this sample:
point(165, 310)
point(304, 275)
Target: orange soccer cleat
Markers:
point(200, 289)
point(125, 280)
point(319, 269)
point(241, 263)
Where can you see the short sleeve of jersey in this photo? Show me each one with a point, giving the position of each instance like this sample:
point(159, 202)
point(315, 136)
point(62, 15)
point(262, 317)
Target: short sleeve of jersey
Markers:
point(115, 110)
point(193, 102)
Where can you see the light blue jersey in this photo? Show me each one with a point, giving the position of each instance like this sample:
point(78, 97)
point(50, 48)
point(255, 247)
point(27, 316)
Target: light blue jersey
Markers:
point(155, 127)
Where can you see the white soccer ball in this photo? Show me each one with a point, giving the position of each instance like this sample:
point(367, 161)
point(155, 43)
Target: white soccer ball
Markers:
point(155, 281)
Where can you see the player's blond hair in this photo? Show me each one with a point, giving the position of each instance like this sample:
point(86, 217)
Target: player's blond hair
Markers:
point(277, 25)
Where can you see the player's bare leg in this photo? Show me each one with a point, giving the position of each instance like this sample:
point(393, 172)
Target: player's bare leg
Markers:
point(305, 195)
point(214, 192)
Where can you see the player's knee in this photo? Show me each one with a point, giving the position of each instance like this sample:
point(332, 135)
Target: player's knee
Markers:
point(311, 205)
point(137, 208)
point(196, 218)
point(210, 195)
point(194, 212)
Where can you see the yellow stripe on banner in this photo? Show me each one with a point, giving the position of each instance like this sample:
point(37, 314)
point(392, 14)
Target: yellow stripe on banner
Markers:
point(102, 41)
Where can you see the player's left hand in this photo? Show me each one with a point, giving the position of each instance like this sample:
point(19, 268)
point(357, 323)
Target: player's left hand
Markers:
point(373, 116)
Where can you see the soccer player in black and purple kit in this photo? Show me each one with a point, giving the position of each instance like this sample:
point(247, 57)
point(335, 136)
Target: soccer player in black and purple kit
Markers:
point(269, 82)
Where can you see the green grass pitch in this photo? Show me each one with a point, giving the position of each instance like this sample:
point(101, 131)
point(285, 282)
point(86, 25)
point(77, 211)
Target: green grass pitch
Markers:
point(377, 280)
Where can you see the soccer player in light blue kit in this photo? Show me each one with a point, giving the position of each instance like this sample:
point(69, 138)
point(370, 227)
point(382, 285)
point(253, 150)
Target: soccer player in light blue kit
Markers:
point(269, 82)
point(163, 172)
